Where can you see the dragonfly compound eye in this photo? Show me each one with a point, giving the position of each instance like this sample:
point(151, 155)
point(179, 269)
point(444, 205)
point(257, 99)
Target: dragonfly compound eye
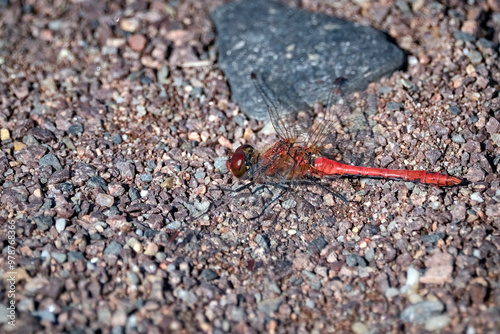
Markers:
point(236, 163)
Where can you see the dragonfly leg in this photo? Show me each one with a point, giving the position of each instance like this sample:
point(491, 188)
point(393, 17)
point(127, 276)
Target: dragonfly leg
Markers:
point(284, 190)
point(334, 194)
point(237, 190)
point(265, 187)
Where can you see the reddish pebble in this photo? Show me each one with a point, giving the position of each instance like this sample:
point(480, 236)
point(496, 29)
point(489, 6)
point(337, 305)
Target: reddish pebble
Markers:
point(137, 42)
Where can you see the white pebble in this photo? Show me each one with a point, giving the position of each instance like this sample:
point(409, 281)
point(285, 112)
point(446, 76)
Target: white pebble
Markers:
point(437, 323)
point(477, 197)
point(359, 328)
point(60, 225)
point(412, 278)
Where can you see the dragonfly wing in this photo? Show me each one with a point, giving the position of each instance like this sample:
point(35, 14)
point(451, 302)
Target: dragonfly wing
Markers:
point(325, 126)
point(280, 113)
point(353, 141)
point(345, 127)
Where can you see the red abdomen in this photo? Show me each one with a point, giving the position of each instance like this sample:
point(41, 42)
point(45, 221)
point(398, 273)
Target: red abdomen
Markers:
point(330, 167)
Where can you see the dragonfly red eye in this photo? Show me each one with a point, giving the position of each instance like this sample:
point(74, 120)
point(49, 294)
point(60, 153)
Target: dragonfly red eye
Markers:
point(236, 163)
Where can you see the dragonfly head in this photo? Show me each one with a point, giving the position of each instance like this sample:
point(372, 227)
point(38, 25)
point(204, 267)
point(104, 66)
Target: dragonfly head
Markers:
point(241, 160)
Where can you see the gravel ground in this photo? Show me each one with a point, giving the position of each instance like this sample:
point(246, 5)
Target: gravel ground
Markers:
point(116, 123)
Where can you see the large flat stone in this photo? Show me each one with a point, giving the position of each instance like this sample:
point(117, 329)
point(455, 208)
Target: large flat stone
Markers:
point(298, 54)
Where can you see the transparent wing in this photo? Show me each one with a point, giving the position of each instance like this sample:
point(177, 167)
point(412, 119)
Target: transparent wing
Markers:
point(280, 113)
point(353, 139)
point(344, 132)
point(318, 136)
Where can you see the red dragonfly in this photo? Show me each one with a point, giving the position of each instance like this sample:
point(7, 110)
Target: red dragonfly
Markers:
point(298, 154)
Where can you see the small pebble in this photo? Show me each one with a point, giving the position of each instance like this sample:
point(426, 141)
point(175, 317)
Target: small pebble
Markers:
point(310, 303)
point(104, 200)
point(45, 315)
point(97, 182)
point(477, 197)
point(160, 256)
point(174, 225)
point(60, 224)
point(289, 204)
point(43, 223)
point(168, 183)
point(391, 292)
point(4, 134)
point(437, 323)
point(114, 247)
point(208, 275)
point(116, 139)
point(412, 279)
point(132, 278)
point(18, 146)
point(262, 241)
point(458, 138)
point(455, 110)
point(359, 328)
point(75, 256)
point(135, 245)
point(137, 42)
point(59, 257)
point(392, 106)
point(127, 170)
point(50, 160)
point(495, 138)
point(130, 25)
point(75, 129)
point(151, 249)
point(162, 75)
point(475, 57)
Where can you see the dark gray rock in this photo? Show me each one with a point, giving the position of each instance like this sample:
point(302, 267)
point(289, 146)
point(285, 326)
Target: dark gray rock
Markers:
point(75, 129)
point(262, 241)
point(43, 223)
point(134, 194)
point(369, 231)
point(97, 182)
point(50, 160)
point(114, 247)
point(455, 110)
point(208, 275)
point(317, 245)
point(354, 260)
point(298, 61)
point(75, 256)
point(116, 139)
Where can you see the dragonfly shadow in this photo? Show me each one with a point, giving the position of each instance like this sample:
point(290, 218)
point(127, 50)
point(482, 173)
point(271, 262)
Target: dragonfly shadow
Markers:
point(254, 201)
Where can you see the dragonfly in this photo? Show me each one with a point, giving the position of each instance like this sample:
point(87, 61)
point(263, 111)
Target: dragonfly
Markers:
point(299, 153)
